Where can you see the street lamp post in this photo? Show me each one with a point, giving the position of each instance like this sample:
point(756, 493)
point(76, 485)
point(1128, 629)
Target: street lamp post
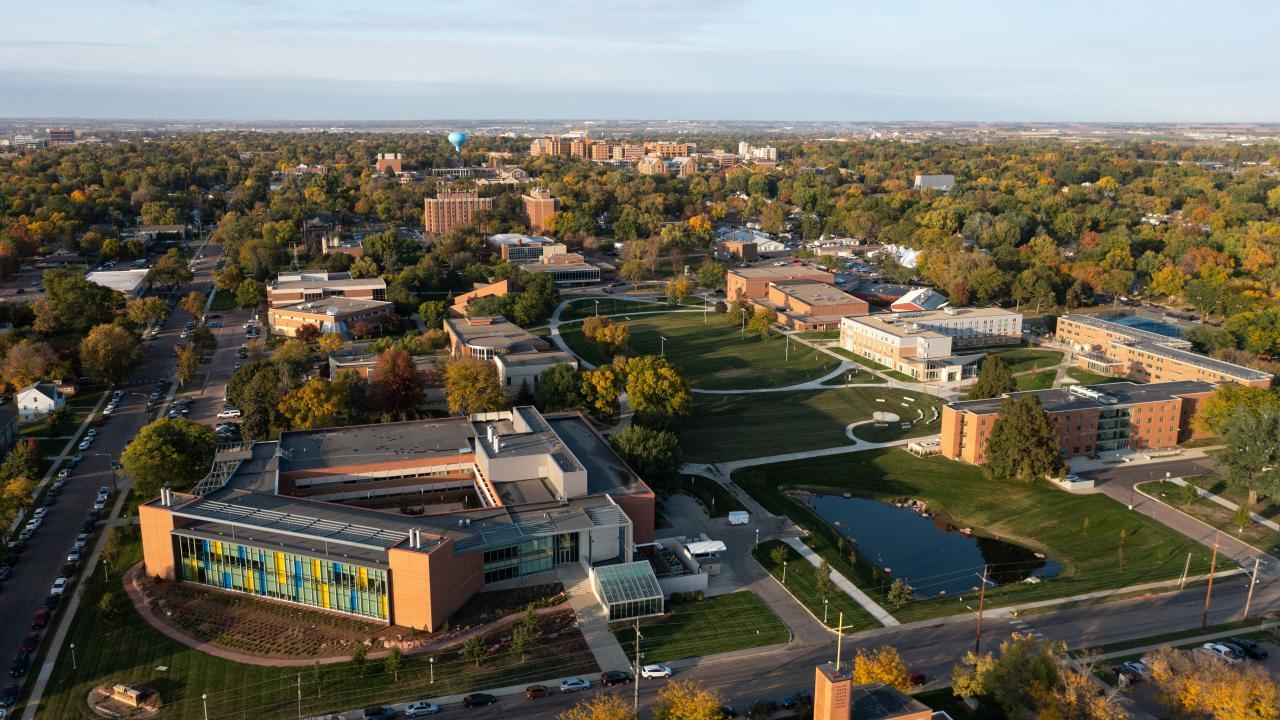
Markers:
point(784, 572)
point(73, 657)
point(204, 702)
point(664, 345)
point(431, 662)
point(597, 308)
point(824, 610)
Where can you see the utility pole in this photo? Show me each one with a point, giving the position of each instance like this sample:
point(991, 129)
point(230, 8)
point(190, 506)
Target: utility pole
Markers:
point(1253, 580)
point(1213, 565)
point(982, 599)
point(299, 696)
point(635, 681)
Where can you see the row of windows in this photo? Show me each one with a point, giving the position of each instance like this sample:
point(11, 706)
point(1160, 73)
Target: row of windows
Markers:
point(344, 587)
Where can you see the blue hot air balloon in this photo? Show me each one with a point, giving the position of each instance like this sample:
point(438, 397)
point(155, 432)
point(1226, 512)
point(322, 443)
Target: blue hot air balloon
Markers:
point(457, 138)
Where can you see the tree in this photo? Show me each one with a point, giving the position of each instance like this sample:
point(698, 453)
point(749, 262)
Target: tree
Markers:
point(307, 333)
point(1023, 444)
point(260, 402)
point(678, 289)
point(521, 641)
point(398, 388)
point(251, 294)
point(762, 322)
point(994, 379)
point(318, 403)
point(1026, 665)
point(359, 657)
point(1229, 400)
point(778, 555)
point(473, 649)
point(73, 304)
point(330, 343)
point(711, 275)
point(558, 388)
point(687, 700)
point(882, 665)
point(656, 389)
point(108, 353)
point(26, 362)
point(22, 461)
point(600, 707)
point(823, 581)
point(1198, 684)
point(170, 271)
point(364, 268)
point(602, 386)
point(1252, 456)
point(193, 303)
point(433, 313)
point(188, 364)
point(60, 421)
point(654, 454)
point(228, 278)
point(899, 593)
point(169, 452)
point(146, 311)
point(392, 663)
point(16, 496)
point(471, 385)
point(633, 270)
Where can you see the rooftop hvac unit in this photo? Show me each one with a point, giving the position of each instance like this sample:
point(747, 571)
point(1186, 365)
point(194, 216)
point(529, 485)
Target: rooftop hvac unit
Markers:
point(950, 310)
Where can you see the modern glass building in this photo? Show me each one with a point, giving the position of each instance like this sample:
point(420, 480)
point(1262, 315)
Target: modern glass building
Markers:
point(344, 587)
point(627, 591)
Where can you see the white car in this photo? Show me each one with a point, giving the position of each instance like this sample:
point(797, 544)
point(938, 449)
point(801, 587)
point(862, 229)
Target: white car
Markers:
point(86, 444)
point(73, 556)
point(229, 412)
point(64, 473)
point(420, 708)
point(93, 432)
point(108, 409)
point(100, 504)
point(1222, 652)
point(34, 524)
point(59, 586)
point(574, 684)
point(655, 671)
point(39, 513)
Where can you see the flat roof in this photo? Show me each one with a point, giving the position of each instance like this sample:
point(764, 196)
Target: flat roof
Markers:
point(125, 281)
point(557, 267)
point(816, 293)
point(890, 324)
point(1128, 331)
point(320, 283)
point(627, 582)
point(369, 444)
point(877, 701)
point(788, 272)
point(550, 357)
point(1062, 399)
point(333, 305)
point(496, 332)
point(1204, 361)
point(606, 471)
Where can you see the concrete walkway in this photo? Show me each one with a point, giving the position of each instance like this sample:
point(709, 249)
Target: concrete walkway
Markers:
point(844, 584)
point(591, 618)
point(725, 469)
point(1218, 499)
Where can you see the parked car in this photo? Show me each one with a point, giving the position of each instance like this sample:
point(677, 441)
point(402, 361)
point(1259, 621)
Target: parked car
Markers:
point(574, 684)
point(655, 671)
point(21, 663)
point(59, 586)
point(763, 707)
point(229, 412)
point(73, 556)
point(8, 697)
point(81, 540)
point(85, 444)
point(478, 699)
point(1130, 675)
point(64, 473)
point(30, 643)
point(917, 679)
point(1223, 652)
point(801, 698)
point(380, 712)
point(536, 691)
point(1251, 649)
point(5, 572)
point(727, 712)
point(610, 678)
point(420, 708)
point(67, 570)
point(40, 620)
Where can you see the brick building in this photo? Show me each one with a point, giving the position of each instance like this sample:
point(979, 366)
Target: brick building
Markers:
point(539, 207)
point(810, 305)
point(753, 283)
point(290, 288)
point(451, 209)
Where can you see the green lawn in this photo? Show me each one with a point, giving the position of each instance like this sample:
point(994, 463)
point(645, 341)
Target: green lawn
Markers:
point(1088, 378)
point(733, 427)
point(1081, 532)
point(819, 335)
point(714, 355)
point(1024, 359)
point(120, 646)
point(724, 623)
point(1213, 514)
point(223, 300)
point(865, 362)
point(586, 307)
point(902, 377)
point(802, 582)
point(1036, 381)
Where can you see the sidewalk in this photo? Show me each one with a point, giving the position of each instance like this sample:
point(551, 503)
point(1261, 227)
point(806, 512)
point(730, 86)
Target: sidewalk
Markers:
point(1269, 524)
point(844, 584)
point(591, 620)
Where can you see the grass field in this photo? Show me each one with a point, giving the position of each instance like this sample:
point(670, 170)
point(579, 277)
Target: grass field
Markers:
point(1215, 515)
point(901, 377)
point(1024, 359)
point(714, 355)
point(1081, 532)
point(586, 307)
point(854, 357)
point(119, 646)
point(819, 335)
point(736, 621)
point(1042, 380)
point(1088, 378)
point(854, 377)
point(802, 582)
point(223, 300)
point(732, 427)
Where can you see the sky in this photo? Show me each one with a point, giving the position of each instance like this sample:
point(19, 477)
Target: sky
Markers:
point(788, 60)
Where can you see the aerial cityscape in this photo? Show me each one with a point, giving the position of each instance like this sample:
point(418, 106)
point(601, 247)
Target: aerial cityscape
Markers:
point(653, 362)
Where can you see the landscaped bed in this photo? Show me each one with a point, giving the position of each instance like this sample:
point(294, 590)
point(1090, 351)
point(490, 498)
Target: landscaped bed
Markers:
point(724, 623)
point(734, 427)
point(715, 355)
point(1083, 533)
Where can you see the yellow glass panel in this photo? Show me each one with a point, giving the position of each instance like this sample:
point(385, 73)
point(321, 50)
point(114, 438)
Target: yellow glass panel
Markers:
point(324, 595)
point(364, 578)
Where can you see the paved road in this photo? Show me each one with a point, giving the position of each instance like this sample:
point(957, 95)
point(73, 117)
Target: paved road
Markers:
point(42, 558)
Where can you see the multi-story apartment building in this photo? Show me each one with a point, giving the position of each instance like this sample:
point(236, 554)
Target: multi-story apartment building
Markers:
point(296, 287)
point(1092, 420)
point(61, 137)
point(1112, 348)
point(753, 283)
point(319, 517)
point(539, 207)
point(922, 345)
point(451, 209)
point(389, 164)
point(667, 150)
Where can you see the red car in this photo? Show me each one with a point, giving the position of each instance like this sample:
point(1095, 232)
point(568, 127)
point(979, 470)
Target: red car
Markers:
point(67, 570)
point(41, 619)
point(30, 643)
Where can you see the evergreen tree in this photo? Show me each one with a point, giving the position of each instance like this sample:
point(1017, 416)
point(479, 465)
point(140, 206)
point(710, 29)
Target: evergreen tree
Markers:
point(994, 380)
point(1023, 443)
